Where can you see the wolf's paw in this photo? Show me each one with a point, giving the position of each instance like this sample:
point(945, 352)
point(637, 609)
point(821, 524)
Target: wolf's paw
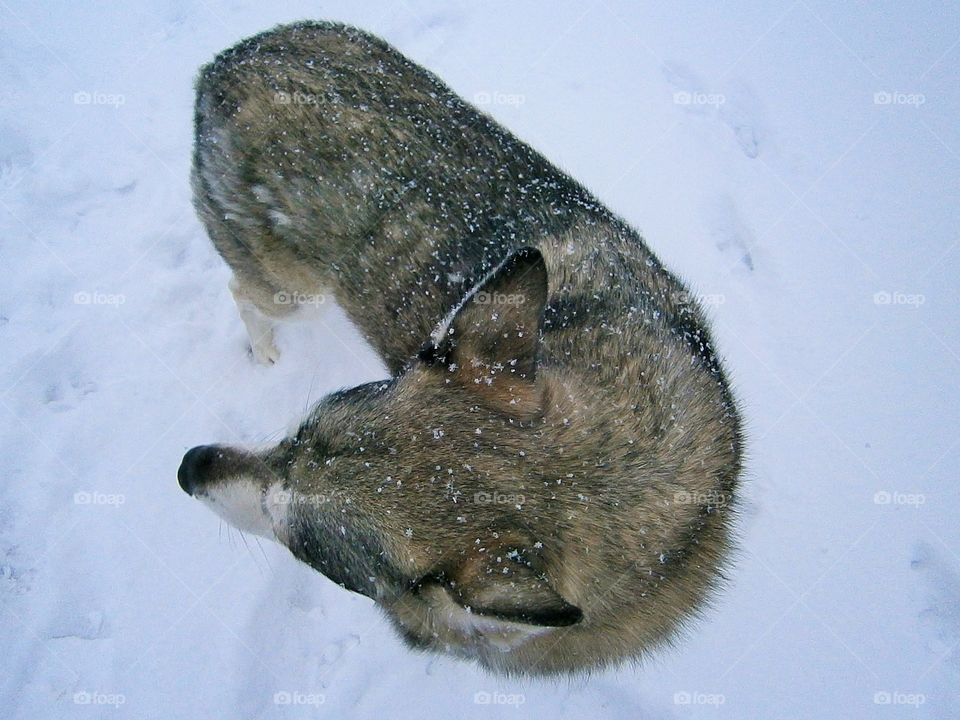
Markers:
point(265, 352)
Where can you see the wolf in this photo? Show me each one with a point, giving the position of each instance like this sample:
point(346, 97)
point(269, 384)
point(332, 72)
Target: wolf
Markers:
point(547, 481)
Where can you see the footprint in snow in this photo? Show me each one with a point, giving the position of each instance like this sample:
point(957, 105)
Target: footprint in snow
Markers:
point(334, 651)
point(66, 394)
point(732, 103)
point(733, 237)
point(940, 614)
point(72, 622)
point(741, 113)
point(15, 580)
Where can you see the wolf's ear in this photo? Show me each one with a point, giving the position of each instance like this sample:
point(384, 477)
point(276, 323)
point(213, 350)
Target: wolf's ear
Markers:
point(494, 335)
point(504, 587)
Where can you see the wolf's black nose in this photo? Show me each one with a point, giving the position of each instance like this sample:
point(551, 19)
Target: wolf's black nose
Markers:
point(196, 466)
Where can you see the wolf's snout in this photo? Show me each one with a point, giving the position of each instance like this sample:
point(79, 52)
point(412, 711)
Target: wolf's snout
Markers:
point(196, 466)
point(233, 482)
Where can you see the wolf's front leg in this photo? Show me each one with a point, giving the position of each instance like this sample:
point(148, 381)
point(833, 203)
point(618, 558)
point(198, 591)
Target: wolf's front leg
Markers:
point(259, 315)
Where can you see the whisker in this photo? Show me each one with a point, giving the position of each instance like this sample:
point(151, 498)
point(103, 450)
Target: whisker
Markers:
point(306, 404)
point(262, 552)
point(243, 537)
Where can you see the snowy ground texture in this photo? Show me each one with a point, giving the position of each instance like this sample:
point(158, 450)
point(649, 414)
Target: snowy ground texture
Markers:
point(797, 162)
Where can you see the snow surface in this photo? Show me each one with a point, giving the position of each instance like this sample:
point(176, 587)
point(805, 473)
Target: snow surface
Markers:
point(790, 159)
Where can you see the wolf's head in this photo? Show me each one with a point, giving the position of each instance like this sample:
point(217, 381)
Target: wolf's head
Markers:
point(429, 492)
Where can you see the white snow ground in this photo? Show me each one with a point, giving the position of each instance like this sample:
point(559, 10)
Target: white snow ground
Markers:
point(797, 162)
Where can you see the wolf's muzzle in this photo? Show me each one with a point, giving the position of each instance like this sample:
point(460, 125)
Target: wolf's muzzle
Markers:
point(196, 467)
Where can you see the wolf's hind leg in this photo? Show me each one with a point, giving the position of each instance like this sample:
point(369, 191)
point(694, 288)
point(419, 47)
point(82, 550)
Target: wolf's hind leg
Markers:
point(259, 312)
